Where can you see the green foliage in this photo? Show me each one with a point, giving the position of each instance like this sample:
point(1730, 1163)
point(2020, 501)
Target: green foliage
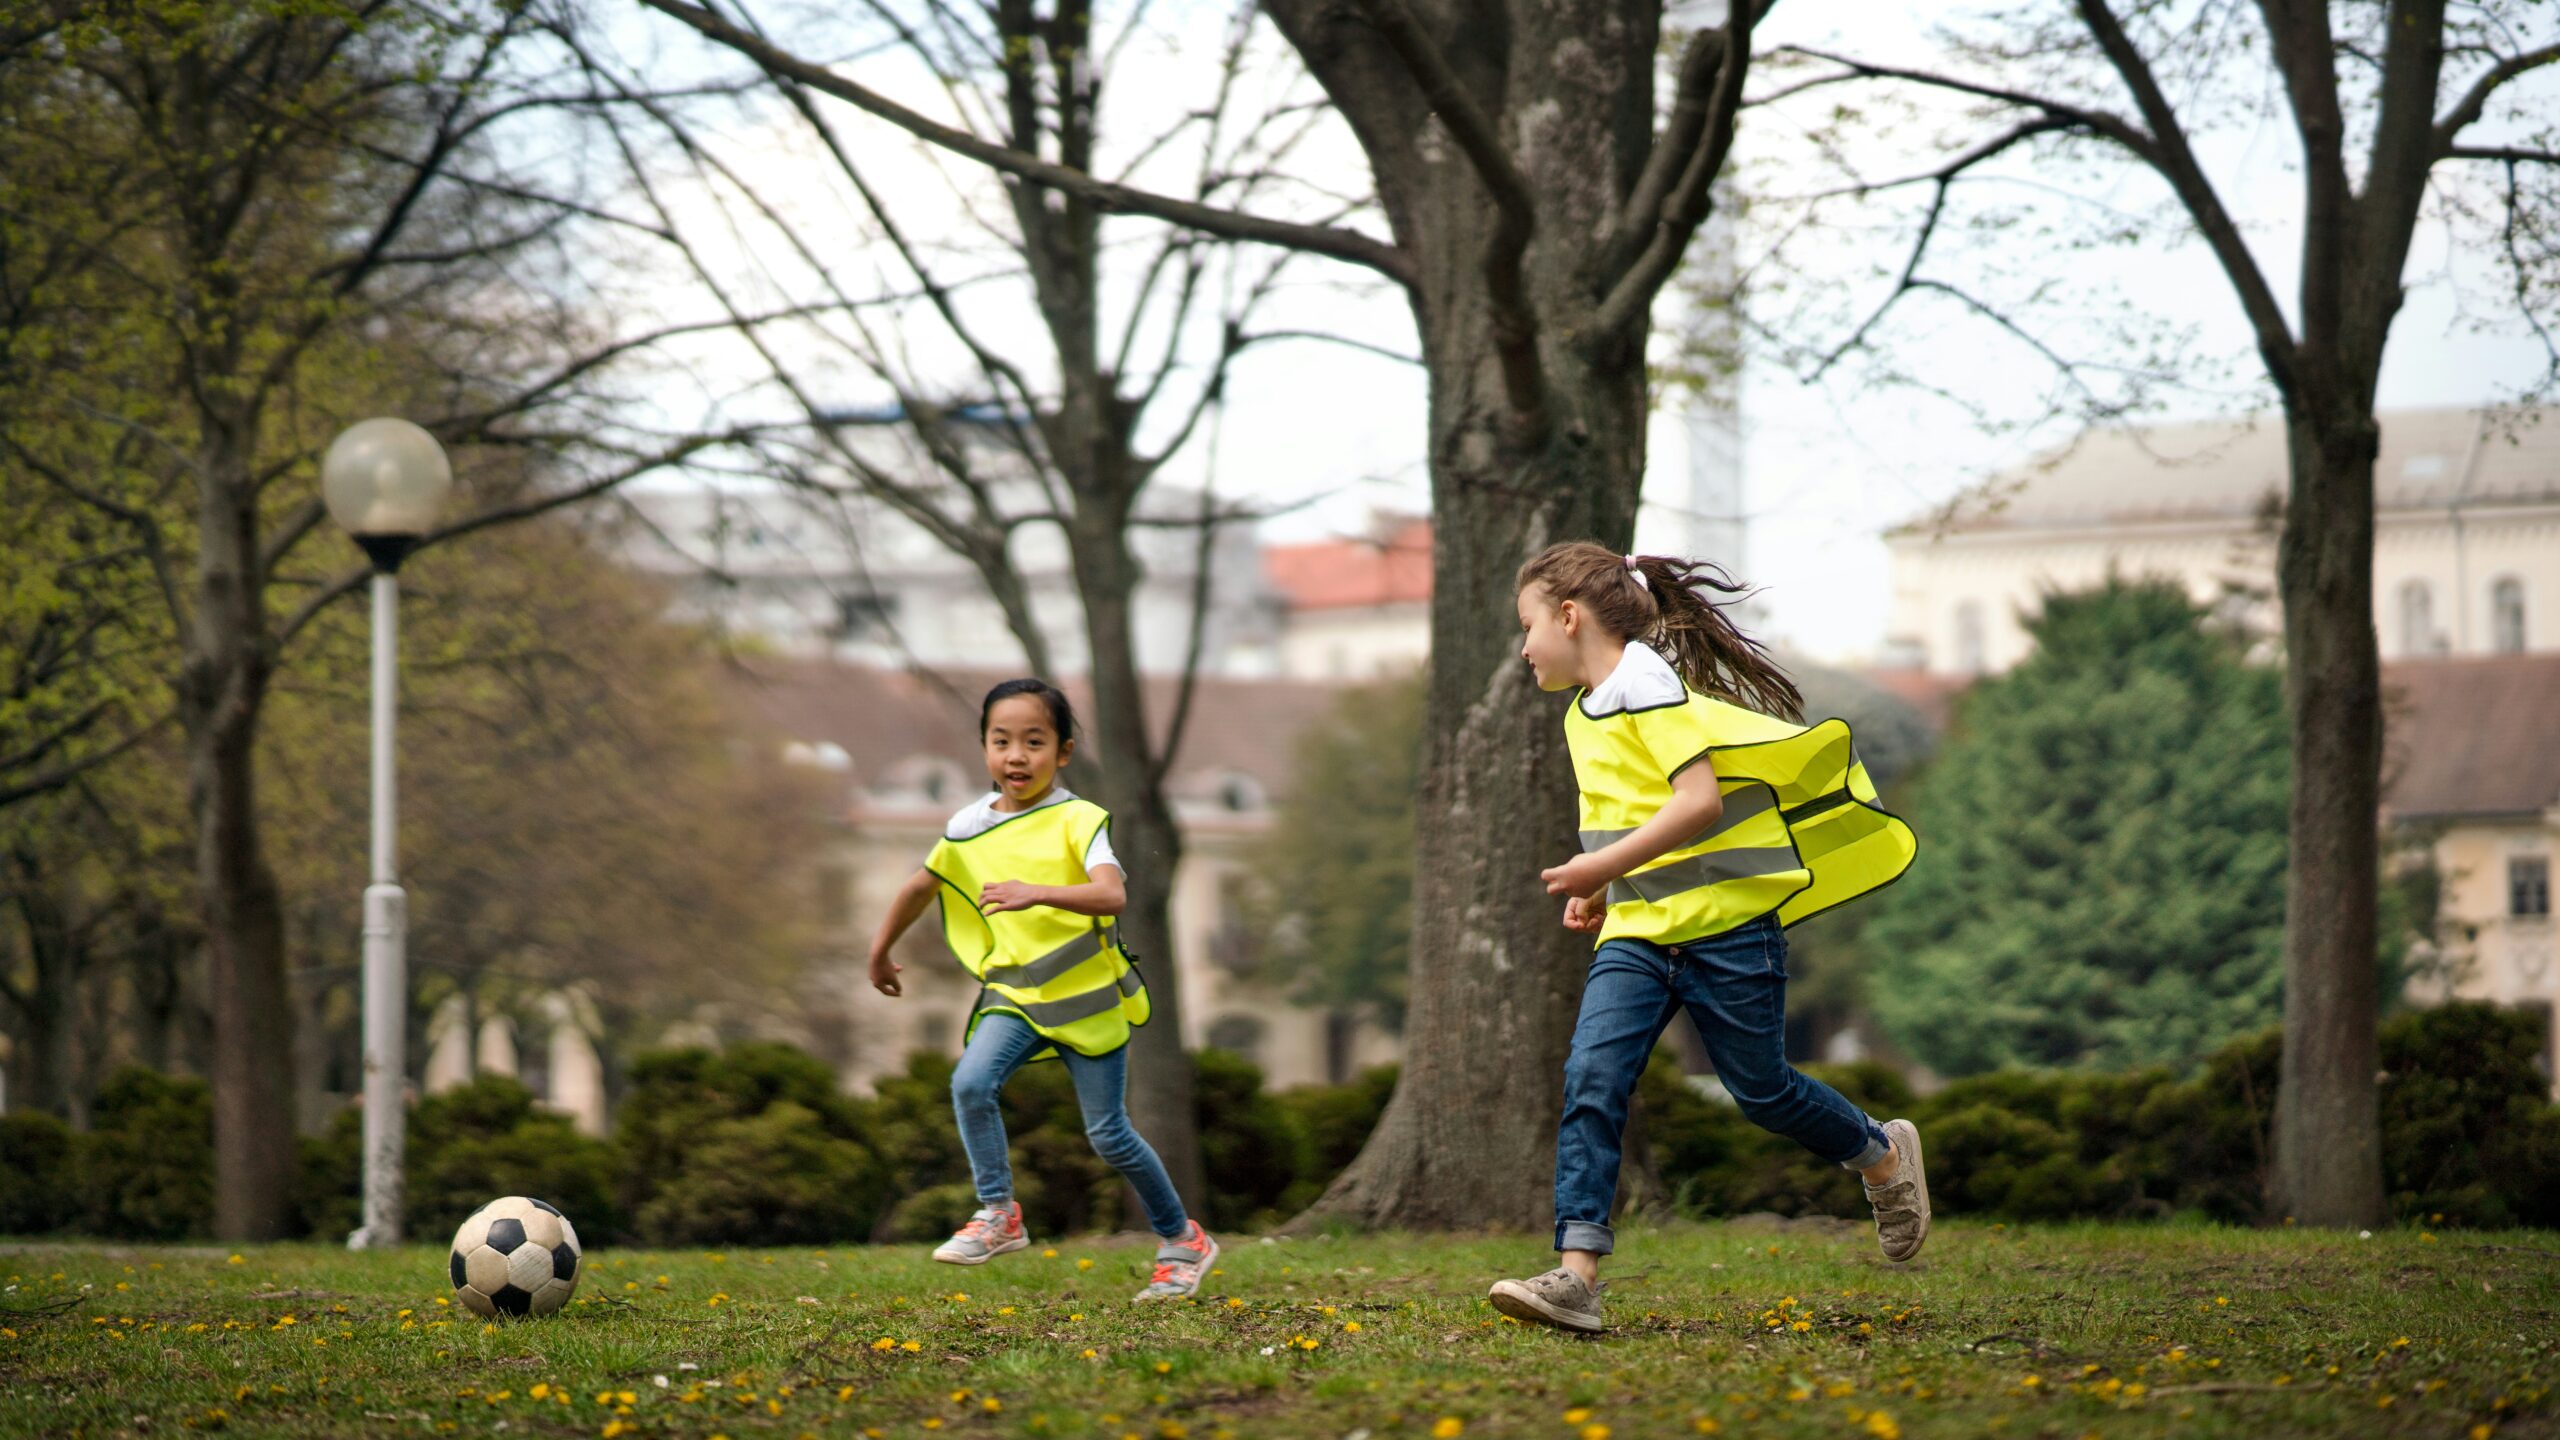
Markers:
point(464, 1148)
point(1337, 1119)
point(1338, 859)
point(2467, 1132)
point(2101, 872)
point(691, 1111)
point(1251, 1144)
point(2469, 1135)
point(35, 1156)
point(146, 1166)
point(777, 1177)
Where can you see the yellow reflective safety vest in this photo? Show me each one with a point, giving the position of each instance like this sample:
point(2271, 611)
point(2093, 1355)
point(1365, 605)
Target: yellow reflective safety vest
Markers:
point(1064, 974)
point(1801, 830)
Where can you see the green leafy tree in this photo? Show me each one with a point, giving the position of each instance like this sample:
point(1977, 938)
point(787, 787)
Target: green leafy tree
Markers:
point(1338, 859)
point(2102, 862)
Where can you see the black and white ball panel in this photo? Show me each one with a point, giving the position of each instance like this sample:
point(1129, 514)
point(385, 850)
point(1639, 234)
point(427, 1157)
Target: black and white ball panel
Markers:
point(515, 1256)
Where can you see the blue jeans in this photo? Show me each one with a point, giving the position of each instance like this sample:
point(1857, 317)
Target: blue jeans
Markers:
point(1734, 986)
point(1000, 1046)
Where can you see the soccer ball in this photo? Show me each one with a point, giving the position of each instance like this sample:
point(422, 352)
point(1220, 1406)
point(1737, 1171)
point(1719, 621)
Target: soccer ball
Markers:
point(514, 1256)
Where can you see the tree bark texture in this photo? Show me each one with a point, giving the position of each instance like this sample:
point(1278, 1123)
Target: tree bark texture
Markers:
point(1469, 1137)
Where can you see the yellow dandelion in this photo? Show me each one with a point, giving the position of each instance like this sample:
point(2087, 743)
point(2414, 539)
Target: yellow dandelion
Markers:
point(991, 1405)
point(912, 1346)
point(844, 1394)
point(1577, 1415)
point(1083, 1264)
point(1447, 1427)
point(1881, 1426)
point(1089, 1354)
point(234, 1260)
point(884, 1343)
point(1234, 1303)
point(1164, 1367)
point(1049, 1254)
point(1351, 1327)
point(1705, 1425)
point(1004, 1309)
point(1595, 1432)
point(540, 1392)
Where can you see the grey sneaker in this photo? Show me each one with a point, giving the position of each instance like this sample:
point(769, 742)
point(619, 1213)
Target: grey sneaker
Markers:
point(1557, 1298)
point(1180, 1266)
point(1902, 1203)
point(995, 1230)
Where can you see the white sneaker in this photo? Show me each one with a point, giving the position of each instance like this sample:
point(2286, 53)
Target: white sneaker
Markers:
point(1181, 1265)
point(995, 1230)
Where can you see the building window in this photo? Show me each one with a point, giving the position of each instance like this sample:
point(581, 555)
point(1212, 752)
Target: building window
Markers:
point(1970, 641)
point(2529, 885)
point(1237, 1035)
point(835, 896)
point(1234, 944)
point(2506, 616)
point(865, 617)
point(2417, 618)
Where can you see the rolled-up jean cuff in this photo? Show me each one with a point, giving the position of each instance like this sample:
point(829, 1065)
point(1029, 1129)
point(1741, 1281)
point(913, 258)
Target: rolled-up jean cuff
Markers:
point(1583, 1235)
point(1878, 1147)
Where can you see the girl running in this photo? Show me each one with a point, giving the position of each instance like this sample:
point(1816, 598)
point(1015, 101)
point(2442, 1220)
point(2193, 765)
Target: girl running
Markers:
point(1028, 884)
point(1707, 825)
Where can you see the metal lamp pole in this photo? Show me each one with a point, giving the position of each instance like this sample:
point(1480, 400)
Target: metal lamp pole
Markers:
point(385, 481)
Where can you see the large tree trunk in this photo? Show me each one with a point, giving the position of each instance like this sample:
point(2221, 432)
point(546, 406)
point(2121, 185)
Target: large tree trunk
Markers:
point(1469, 1137)
point(222, 686)
point(2328, 1163)
point(1148, 843)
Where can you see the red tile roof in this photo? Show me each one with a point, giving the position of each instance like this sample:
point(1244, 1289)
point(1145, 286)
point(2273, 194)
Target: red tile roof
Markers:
point(2471, 736)
point(1342, 574)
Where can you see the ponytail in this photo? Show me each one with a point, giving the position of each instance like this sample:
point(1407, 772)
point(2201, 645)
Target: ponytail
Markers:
point(1676, 606)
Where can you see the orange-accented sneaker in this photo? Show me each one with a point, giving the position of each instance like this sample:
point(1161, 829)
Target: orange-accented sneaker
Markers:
point(995, 1230)
point(1181, 1265)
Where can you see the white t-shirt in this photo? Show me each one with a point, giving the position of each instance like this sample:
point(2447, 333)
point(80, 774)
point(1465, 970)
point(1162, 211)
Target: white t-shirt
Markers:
point(981, 815)
point(1642, 681)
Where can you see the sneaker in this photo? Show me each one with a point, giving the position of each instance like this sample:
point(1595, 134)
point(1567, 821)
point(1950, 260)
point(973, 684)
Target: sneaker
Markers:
point(1180, 1266)
point(1902, 1203)
point(995, 1230)
point(1558, 1298)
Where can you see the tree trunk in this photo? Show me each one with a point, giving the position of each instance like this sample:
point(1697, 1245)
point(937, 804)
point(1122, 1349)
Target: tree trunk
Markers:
point(1145, 837)
point(47, 1027)
point(1469, 1136)
point(222, 685)
point(2328, 1163)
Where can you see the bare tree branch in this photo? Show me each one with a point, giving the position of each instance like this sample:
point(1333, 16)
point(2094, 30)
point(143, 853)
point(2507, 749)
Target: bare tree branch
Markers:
point(1341, 244)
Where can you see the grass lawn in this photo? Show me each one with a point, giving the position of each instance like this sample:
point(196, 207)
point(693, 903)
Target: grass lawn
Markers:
point(1742, 1330)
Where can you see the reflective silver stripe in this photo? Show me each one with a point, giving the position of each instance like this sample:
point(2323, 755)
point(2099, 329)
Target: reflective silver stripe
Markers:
point(1053, 1014)
point(1050, 966)
point(1741, 805)
point(1130, 984)
point(1698, 871)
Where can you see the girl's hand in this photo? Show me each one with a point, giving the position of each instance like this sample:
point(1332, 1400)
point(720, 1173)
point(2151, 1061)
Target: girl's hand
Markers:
point(884, 974)
point(1583, 875)
point(1007, 895)
point(1585, 916)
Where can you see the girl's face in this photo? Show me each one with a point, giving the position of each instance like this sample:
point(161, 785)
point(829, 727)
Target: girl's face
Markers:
point(1549, 639)
point(1024, 753)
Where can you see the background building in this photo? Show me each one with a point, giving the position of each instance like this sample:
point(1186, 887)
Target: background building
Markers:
point(2466, 544)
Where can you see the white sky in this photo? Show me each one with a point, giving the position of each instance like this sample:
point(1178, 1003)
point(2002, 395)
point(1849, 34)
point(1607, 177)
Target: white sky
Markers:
point(1827, 467)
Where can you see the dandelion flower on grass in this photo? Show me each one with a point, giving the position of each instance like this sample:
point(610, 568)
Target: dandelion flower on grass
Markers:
point(1448, 1427)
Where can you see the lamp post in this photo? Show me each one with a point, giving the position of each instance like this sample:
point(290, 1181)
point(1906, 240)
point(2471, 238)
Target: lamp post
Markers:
point(385, 481)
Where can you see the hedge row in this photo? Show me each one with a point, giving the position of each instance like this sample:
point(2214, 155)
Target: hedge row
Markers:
point(2469, 1135)
point(755, 1145)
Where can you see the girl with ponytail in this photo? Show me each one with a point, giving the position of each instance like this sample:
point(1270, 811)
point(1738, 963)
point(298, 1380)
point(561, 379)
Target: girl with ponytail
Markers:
point(1711, 817)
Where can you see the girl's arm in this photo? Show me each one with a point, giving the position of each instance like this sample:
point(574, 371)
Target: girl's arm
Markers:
point(1695, 804)
point(905, 908)
point(1101, 894)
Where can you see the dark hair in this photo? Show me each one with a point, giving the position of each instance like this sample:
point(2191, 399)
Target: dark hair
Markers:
point(1672, 610)
point(1061, 714)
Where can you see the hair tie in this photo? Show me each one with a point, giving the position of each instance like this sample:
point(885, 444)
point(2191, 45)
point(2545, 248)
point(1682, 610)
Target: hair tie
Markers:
point(1642, 583)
